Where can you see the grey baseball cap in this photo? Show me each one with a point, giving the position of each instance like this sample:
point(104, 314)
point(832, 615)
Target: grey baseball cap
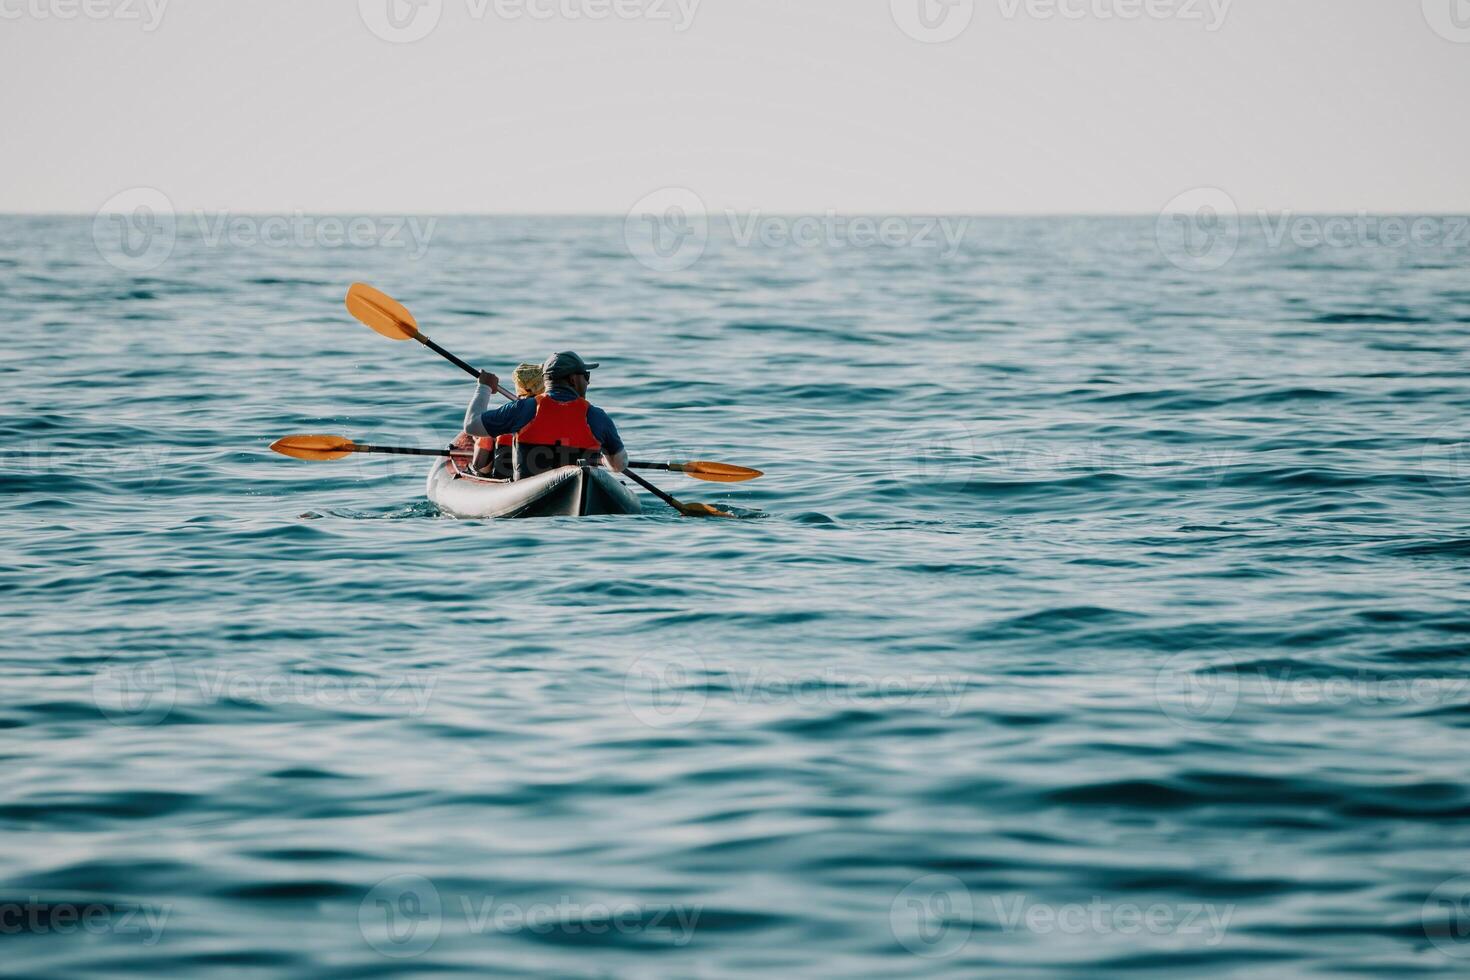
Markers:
point(564, 364)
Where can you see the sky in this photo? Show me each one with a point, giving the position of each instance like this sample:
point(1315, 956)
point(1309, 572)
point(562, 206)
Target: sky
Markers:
point(795, 106)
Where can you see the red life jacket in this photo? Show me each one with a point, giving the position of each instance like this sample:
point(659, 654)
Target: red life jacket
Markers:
point(560, 424)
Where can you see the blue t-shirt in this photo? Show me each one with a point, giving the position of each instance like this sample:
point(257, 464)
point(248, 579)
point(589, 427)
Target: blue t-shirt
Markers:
point(514, 416)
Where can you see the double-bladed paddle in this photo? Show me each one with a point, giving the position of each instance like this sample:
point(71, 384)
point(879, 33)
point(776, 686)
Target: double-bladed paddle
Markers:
point(339, 447)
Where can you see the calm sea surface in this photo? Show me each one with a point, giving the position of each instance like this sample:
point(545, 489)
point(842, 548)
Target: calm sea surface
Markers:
point(1103, 611)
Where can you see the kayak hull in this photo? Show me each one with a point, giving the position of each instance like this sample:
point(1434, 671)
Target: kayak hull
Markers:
point(572, 491)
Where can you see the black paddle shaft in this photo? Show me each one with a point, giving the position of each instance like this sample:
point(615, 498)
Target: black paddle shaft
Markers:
point(653, 490)
point(446, 355)
point(401, 451)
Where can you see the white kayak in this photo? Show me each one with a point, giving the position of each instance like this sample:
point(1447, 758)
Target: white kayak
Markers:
point(572, 491)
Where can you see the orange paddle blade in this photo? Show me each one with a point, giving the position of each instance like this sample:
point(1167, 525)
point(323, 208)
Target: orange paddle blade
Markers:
point(314, 447)
point(701, 510)
point(717, 472)
point(381, 312)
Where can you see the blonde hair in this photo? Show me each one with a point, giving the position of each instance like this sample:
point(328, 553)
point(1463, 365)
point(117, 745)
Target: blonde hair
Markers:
point(529, 380)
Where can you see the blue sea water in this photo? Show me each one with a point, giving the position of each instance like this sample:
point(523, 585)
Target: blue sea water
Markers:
point(1102, 613)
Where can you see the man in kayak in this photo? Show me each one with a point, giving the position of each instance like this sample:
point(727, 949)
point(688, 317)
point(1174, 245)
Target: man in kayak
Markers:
point(558, 428)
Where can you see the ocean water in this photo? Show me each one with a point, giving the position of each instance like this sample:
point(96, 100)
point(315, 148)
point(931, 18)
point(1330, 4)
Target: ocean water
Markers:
point(1102, 613)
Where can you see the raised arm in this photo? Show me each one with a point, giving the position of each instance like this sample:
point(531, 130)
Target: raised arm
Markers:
point(480, 404)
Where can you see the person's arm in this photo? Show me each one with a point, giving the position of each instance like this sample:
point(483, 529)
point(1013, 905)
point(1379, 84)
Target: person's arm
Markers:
point(480, 404)
point(614, 456)
point(506, 419)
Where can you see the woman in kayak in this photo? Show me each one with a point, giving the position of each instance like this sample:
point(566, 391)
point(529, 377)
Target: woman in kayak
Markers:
point(494, 455)
point(554, 429)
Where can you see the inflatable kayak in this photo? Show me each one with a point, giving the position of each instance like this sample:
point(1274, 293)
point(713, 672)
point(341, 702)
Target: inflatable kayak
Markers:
point(572, 491)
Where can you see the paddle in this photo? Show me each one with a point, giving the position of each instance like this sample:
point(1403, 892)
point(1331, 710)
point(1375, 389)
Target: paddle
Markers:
point(339, 447)
point(702, 470)
point(688, 510)
point(385, 315)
